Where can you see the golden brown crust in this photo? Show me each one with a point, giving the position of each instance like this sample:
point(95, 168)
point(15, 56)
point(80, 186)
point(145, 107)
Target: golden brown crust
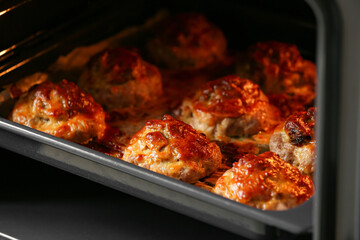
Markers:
point(187, 41)
point(229, 107)
point(62, 110)
point(265, 182)
point(118, 78)
point(175, 149)
point(279, 68)
point(294, 141)
point(229, 96)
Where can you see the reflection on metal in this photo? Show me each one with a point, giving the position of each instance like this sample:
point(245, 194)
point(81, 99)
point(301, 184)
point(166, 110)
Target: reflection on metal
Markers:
point(8, 51)
point(13, 7)
point(7, 236)
point(3, 52)
point(27, 60)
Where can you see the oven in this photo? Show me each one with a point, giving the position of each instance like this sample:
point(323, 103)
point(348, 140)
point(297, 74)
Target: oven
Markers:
point(39, 32)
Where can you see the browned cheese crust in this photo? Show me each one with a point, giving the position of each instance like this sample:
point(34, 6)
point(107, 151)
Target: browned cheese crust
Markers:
point(282, 73)
point(229, 107)
point(187, 41)
point(295, 142)
point(118, 78)
point(175, 149)
point(62, 110)
point(265, 182)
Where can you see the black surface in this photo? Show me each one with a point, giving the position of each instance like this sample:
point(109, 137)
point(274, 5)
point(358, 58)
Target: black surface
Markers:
point(41, 202)
point(330, 124)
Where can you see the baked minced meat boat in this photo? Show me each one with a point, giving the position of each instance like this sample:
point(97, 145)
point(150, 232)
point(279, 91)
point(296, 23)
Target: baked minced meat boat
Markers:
point(282, 73)
point(187, 41)
point(265, 182)
point(62, 110)
point(173, 148)
point(294, 141)
point(229, 107)
point(119, 78)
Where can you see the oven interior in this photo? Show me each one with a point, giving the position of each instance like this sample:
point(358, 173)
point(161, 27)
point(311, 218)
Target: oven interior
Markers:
point(48, 31)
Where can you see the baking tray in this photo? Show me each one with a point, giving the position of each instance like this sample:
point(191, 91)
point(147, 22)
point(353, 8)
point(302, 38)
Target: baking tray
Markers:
point(38, 51)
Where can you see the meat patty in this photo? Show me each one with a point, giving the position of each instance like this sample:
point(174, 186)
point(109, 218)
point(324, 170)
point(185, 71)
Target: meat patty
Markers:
point(187, 41)
point(229, 107)
point(295, 142)
point(265, 182)
point(280, 69)
point(118, 78)
point(173, 148)
point(62, 110)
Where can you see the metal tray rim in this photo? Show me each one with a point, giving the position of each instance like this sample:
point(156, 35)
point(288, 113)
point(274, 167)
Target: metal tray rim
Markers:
point(288, 220)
